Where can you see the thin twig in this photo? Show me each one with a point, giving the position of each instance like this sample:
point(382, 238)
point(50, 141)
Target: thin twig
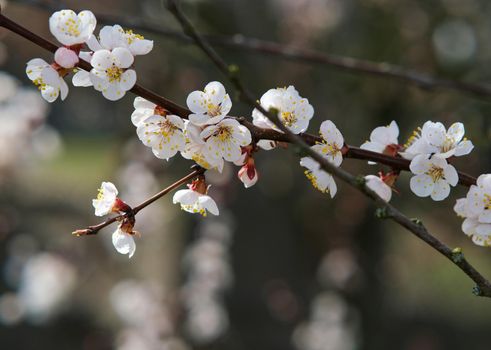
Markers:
point(258, 133)
point(94, 229)
point(416, 227)
point(307, 56)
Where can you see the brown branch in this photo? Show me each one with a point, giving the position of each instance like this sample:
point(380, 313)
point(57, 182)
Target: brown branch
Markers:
point(414, 226)
point(94, 229)
point(307, 56)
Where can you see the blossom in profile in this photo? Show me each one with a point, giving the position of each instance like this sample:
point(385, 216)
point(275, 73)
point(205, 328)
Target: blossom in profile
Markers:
point(123, 241)
point(377, 185)
point(210, 105)
point(332, 143)
point(72, 29)
point(195, 199)
point(433, 138)
point(106, 201)
point(163, 133)
point(248, 173)
point(294, 111)
point(475, 208)
point(320, 179)
point(225, 139)
point(383, 139)
point(433, 176)
point(111, 73)
point(47, 79)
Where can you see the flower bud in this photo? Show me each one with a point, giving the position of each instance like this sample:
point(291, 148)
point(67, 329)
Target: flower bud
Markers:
point(66, 58)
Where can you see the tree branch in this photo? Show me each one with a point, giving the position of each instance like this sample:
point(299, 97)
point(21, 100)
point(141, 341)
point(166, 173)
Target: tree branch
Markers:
point(94, 229)
point(416, 227)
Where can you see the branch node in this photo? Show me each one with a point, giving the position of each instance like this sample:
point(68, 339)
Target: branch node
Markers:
point(417, 221)
point(476, 290)
point(383, 213)
point(457, 255)
point(360, 181)
point(233, 70)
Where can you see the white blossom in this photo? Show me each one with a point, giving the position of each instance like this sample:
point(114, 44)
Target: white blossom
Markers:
point(47, 79)
point(209, 106)
point(72, 29)
point(196, 149)
point(433, 176)
point(225, 139)
point(164, 134)
point(332, 143)
point(377, 185)
point(111, 74)
point(123, 242)
point(111, 37)
point(433, 138)
point(294, 111)
point(193, 201)
point(320, 179)
point(475, 208)
point(106, 199)
point(383, 139)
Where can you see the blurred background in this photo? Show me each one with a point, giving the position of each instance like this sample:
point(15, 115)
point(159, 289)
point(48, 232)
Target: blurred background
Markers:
point(283, 266)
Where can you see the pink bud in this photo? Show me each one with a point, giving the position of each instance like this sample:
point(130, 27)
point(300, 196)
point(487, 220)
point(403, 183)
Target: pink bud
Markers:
point(248, 174)
point(66, 58)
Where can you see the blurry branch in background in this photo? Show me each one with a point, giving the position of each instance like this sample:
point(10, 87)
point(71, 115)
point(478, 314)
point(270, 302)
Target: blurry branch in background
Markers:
point(92, 230)
point(257, 133)
point(386, 210)
point(349, 64)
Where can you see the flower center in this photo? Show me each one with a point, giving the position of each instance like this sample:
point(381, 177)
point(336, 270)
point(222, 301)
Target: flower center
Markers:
point(436, 173)
point(329, 148)
point(167, 128)
point(114, 73)
point(41, 85)
point(100, 194)
point(72, 27)
point(288, 118)
point(214, 110)
point(131, 37)
point(223, 133)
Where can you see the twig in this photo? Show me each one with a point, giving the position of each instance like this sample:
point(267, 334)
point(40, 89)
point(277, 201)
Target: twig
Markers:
point(94, 229)
point(416, 227)
point(348, 64)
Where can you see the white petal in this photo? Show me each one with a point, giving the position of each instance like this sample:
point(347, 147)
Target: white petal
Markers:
point(81, 78)
point(421, 185)
point(441, 190)
point(123, 57)
point(209, 204)
point(451, 175)
point(124, 243)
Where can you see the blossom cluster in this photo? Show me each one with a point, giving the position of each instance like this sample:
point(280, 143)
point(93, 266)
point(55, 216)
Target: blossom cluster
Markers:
point(111, 57)
point(210, 137)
